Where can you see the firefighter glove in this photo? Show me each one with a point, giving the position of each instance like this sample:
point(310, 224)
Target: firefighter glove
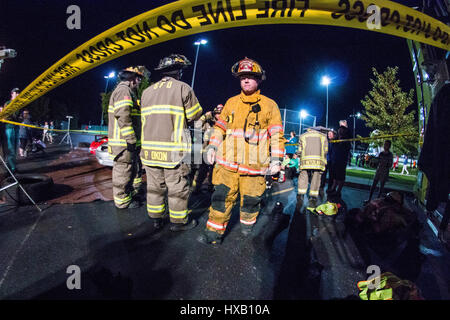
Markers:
point(131, 147)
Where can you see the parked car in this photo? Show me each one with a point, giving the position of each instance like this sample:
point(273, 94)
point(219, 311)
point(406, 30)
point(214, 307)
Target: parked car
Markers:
point(103, 156)
point(97, 142)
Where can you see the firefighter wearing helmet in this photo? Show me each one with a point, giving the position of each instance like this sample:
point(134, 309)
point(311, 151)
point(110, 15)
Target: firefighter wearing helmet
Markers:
point(205, 125)
point(167, 107)
point(247, 144)
point(124, 131)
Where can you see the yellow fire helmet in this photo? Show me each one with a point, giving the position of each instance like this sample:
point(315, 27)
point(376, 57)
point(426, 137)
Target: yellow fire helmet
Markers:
point(248, 66)
point(173, 62)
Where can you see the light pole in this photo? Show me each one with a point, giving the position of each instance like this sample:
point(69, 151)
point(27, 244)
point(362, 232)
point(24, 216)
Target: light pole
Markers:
point(198, 44)
point(325, 82)
point(354, 116)
point(109, 76)
point(303, 115)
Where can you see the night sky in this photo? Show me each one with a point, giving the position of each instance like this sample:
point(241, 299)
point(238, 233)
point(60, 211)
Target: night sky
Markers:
point(294, 57)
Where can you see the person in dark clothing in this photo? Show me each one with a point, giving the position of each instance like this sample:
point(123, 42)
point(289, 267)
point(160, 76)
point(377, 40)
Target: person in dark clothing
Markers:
point(382, 173)
point(331, 135)
point(339, 161)
point(434, 157)
point(11, 132)
point(24, 134)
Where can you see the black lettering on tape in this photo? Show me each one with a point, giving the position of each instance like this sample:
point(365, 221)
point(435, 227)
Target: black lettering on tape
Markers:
point(276, 9)
point(409, 19)
point(385, 14)
point(417, 25)
point(163, 21)
point(445, 39)
point(146, 30)
point(121, 35)
point(217, 12)
point(437, 34)
point(395, 18)
point(345, 10)
point(230, 10)
point(362, 14)
point(94, 55)
point(109, 41)
point(102, 47)
point(291, 8)
point(305, 7)
point(179, 20)
point(89, 56)
point(137, 37)
point(265, 10)
point(243, 15)
point(201, 8)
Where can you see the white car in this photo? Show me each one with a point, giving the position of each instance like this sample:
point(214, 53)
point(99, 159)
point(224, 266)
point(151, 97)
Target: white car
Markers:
point(102, 155)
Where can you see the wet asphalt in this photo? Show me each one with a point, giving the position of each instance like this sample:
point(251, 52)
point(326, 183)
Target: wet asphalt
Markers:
point(120, 255)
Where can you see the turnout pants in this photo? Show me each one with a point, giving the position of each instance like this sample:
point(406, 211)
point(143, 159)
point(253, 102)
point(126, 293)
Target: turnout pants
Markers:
point(303, 182)
point(175, 183)
point(125, 171)
point(227, 186)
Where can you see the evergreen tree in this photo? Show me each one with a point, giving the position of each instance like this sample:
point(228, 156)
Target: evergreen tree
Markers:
point(105, 96)
point(386, 111)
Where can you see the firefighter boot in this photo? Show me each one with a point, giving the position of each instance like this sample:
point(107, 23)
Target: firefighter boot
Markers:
point(312, 204)
point(192, 223)
point(133, 205)
point(211, 238)
point(158, 223)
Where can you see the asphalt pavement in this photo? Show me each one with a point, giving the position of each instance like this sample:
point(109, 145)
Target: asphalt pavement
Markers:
point(120, 255)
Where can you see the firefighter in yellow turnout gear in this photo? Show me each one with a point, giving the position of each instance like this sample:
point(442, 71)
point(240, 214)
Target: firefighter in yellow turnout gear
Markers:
point(124, 130)
point(312, 151)
point(247, 143)
point(167, 106)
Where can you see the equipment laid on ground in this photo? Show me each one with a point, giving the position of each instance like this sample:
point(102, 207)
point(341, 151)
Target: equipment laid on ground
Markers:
point(390, 287)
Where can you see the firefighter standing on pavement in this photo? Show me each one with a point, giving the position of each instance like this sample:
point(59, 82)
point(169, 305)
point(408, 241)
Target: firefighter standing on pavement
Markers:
point(313, 148)
point(247, 143)
point(167, 107)
point(124, 130)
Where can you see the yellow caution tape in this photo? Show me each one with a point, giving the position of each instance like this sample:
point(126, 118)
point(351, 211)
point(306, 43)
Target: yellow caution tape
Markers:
point(56, 130)
point(187, 17)
point(366, 138)
point(387, 136)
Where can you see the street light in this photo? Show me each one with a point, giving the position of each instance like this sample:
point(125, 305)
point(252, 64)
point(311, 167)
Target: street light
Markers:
point(325, 82)
point(303, 115)
point(198, 43)
point(354, 116)
point(109, 76)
